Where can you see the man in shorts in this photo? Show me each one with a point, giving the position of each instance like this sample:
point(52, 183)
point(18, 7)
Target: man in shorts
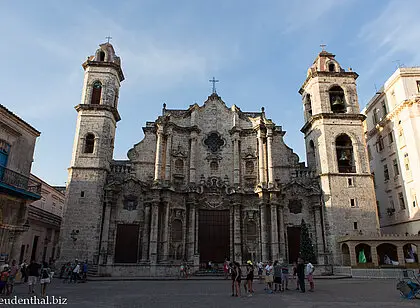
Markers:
point(33, 273)
point(249, 278)
point(269, 276)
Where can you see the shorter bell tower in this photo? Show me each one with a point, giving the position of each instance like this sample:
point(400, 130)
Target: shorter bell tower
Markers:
point(336, 150)
point(97, 117)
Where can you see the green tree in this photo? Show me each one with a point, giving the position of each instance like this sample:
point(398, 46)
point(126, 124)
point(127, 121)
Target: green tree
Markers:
point(306, 248)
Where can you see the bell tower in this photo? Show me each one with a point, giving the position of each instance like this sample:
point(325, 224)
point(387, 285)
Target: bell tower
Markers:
point(336, 150)
point(97, 117)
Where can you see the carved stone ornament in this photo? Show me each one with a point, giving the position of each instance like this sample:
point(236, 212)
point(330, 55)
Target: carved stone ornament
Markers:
point(214, 142)
point(249, 153)
point(179, 151)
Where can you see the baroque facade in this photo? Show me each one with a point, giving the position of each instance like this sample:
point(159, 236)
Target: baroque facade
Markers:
point(392, 130)
point(212, 182)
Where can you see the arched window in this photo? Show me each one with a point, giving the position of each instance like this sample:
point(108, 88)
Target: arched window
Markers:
point(249, 167)
point(308, 104)
point(214, 166)
point(337, 99)
point(101, 56)
point(96, 93)
point(331, 67)
point(344, 148)
point(311, 155)
point(179, 166)
point(89, 143)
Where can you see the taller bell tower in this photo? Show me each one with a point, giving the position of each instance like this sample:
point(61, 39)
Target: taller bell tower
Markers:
point(97, 117)
point(336, 150)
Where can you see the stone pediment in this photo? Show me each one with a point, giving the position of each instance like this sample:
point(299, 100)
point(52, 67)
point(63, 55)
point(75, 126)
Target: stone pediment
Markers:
point(296, 187)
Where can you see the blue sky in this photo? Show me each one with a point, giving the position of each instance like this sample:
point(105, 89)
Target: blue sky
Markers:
point(259, 50)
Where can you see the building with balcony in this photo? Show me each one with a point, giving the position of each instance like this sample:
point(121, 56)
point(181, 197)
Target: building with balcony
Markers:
point(392, 130)
point(44, 216)
point(17, 189)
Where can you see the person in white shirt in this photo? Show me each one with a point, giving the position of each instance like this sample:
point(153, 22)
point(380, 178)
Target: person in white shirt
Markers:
point(75, 273)
point(309, 273)
point(269, 276)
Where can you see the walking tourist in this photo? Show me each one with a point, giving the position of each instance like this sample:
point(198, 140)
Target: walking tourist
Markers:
point(4, 276)
point(294, 275)
point(309, 273)
point(14, 269)
point(33, 273)
point(52, 268)
point(260, 271)
point(277, 276)
point(232, 270)
point(24, 271)
point(300, 270)
point(75, 272)
point(285, 276)
point(226, 268)
point(45, 278)
point(269, 277)
point(238, 278)
point(249, 278)
point(84, 271)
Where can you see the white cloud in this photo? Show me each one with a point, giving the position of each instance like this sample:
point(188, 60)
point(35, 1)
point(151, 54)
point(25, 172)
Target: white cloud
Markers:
point(394, 32)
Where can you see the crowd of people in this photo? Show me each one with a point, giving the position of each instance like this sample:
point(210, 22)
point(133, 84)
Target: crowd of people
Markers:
point(31, 274)
point(42, 273)
point(274, 275)
point(74, 272)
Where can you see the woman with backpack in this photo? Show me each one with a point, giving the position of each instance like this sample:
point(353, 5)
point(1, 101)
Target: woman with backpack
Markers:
point(45, 278)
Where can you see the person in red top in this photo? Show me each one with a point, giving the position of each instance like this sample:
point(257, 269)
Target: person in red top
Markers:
point(4, 276)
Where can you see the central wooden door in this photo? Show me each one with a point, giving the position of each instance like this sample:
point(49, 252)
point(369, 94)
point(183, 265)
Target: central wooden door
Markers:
point(213, 235)
point(127, 243)
point(293, 241)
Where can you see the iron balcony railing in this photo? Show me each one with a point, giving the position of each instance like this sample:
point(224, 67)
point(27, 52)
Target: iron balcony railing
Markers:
point(19, 181)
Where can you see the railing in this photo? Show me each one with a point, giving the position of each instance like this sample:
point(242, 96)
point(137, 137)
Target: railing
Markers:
point(20, 181)
point(120, 167)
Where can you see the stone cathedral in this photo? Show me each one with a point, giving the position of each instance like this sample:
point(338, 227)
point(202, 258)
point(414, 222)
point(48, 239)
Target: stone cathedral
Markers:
point(211, 182)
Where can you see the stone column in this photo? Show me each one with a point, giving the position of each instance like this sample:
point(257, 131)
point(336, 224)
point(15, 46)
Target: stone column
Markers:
point(193, 157)
point(237, 232)
point(318, 233)
point(168, 157)
point(274, 232)
point(196, 252)
point(154, 232)
point(261, 166)
point(353, 256)
point(270, 157)
point(105, 233)
point(374, 254)
point(400, 254)
point(146, 233)
point(166, 231)
point(236, 159)
point(263, 231)
point(283, 253)
point(158, 160)
point(191, 231)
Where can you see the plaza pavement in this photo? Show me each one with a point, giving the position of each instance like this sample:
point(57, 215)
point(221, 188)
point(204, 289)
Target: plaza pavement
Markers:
point(216, 293)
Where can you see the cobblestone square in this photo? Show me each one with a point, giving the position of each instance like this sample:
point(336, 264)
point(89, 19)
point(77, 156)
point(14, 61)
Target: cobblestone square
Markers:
point(216, 293)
